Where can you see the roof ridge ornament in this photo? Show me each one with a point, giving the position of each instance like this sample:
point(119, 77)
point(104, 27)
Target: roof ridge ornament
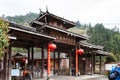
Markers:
point(40, 10)
point(47, 9)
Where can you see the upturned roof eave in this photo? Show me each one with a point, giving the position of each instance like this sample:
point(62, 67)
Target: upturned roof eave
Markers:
point(57, 17)
point(32, 32)
point(100, 52)
point(63, 31)
point(29, 30)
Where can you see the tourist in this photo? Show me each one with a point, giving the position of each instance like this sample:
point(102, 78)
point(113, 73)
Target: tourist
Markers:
point(115, 73)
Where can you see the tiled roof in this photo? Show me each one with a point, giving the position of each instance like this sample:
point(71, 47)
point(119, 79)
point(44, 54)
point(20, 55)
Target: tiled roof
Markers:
point(61, 30)
point(42, 14)
point(100, 52)
point(29, 30)
point(86, 44)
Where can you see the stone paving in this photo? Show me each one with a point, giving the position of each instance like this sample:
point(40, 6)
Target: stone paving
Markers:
point(82, 77)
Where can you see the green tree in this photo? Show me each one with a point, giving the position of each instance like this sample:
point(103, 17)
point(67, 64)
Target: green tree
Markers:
point(110, 39)
point(4, 41)
point(23, 19)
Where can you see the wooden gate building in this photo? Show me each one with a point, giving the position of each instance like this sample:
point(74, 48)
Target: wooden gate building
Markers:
point(49, 28)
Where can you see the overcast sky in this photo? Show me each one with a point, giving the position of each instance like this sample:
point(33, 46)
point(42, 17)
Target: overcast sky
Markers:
point(86, 11)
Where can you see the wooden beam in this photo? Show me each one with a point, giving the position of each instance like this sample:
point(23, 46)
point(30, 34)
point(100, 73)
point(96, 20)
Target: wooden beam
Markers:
point(64, 42)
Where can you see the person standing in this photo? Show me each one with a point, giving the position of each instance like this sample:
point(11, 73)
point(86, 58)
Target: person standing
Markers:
point(115, 73)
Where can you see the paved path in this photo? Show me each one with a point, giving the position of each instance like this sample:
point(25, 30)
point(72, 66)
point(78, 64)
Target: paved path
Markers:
point(82, 77)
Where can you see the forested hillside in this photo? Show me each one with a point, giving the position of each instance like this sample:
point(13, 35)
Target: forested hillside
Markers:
point(98, 34)
point(80, 28)
point(110, 39)
point(23, 19)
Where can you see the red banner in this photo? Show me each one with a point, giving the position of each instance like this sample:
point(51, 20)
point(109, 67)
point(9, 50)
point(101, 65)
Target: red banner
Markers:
point(76, 62)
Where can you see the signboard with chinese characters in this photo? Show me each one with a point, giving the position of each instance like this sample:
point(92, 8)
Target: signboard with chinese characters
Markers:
point(109, 66)
point(15, 72)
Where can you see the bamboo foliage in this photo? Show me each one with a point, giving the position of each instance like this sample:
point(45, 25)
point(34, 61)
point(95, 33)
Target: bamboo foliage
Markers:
point(4, 41)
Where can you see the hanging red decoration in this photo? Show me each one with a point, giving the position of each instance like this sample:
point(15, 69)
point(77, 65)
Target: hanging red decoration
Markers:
point(52, 46)
point(80, 51)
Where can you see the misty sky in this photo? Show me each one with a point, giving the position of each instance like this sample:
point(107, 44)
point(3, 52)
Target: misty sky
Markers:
point(86, 11)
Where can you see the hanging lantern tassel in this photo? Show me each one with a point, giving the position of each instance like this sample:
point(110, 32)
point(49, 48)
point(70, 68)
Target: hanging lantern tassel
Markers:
point(80, 51)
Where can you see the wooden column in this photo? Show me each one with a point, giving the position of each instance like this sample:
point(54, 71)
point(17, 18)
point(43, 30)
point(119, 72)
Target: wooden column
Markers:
point(92, 64)
point(9, 62)
point(28, 49)
point(78, 63)
point(5, 65)
point(45, 20)
point(100, 64)
point(42, 56)
point(70, 64)
point(32, 63)
point(58, 63)
point(54, 64)
point(85, 63)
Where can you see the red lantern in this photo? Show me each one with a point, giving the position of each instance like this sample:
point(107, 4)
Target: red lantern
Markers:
point(80, 51)
point(52, 46)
